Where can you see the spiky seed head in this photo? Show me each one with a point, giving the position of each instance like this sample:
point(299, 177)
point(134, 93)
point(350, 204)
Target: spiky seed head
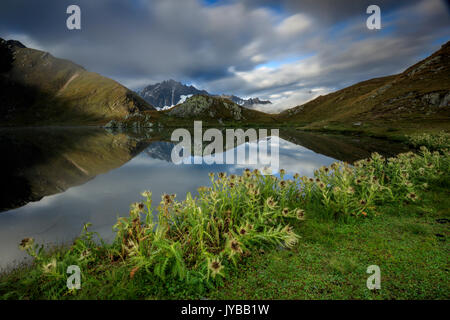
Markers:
point(26, 243)
point(300, 213)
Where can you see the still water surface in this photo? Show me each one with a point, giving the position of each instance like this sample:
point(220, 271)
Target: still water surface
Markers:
point(56, 180)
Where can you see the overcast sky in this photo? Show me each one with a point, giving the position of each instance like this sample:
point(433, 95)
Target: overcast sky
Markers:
point(286, 51)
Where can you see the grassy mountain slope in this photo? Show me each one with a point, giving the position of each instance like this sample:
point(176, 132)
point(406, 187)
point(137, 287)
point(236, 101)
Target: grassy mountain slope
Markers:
point(37, 88)
point(420, 95)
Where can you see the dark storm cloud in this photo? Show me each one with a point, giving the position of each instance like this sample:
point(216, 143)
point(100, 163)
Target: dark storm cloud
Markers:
point(288, 50)
point(140, 38)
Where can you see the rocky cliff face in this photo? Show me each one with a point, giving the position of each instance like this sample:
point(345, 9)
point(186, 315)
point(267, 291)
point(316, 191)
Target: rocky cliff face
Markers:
point(168, 93)
point(37, 88)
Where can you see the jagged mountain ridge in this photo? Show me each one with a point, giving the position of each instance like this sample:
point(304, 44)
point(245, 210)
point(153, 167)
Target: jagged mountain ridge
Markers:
point(169, 93)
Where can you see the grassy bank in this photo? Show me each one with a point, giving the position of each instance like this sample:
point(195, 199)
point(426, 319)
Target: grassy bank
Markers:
point(256, 236)
point(396, 131)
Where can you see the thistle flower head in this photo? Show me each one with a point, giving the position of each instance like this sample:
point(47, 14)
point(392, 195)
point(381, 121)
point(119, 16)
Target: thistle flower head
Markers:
point(412, 196)
point(49, 267)
point(300, 213)
point(168, 198)
point(271, 203)
point(137, 207)
point(26, 243)
point(146, 194)
point(215, 266)
point(235, 246)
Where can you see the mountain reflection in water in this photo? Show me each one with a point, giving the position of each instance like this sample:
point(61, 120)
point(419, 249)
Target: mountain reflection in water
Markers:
point(56, 179)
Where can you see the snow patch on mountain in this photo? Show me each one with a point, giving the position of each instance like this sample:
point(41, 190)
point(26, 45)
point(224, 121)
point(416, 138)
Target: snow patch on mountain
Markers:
point(183, 98)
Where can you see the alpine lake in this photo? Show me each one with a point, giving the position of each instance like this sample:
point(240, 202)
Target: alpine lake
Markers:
point(55, 179)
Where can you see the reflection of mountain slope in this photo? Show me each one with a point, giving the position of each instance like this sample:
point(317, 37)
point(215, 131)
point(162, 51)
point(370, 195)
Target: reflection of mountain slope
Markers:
point(42, 162)
point(160, 150)
point(340, 147)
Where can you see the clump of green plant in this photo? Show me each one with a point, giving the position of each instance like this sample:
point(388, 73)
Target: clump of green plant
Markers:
point(198, 239)
point(433, 141)
point(342, 190)
point(195, 243)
